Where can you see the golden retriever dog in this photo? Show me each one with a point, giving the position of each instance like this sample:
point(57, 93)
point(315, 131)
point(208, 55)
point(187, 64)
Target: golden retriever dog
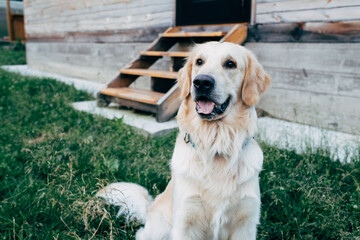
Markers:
point(214, 191)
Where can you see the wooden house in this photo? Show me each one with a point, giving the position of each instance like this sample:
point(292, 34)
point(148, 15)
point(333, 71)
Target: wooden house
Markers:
point(309, 47)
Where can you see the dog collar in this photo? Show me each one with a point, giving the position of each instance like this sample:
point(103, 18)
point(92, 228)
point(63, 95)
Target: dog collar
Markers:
point(187, 139)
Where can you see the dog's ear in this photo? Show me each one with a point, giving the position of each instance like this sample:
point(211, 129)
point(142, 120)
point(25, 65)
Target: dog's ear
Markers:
point(184, 78)
point(256, 81)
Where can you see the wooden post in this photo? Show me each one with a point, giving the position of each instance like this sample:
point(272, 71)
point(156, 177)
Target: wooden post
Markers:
point(9, 19)
point(253, 13)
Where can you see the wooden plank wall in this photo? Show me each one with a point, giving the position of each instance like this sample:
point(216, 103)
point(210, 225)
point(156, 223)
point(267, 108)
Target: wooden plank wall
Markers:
point(97, 62)
point(57, 18)
point(311, 32)
point(316, 84)
point(307, 11)
point(92, 61)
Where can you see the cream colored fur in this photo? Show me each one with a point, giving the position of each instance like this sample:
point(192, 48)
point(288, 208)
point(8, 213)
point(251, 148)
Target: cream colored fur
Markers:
point(214, 192)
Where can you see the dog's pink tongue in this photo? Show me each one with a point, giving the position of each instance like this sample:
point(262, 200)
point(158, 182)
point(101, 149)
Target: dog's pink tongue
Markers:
point(205, 107)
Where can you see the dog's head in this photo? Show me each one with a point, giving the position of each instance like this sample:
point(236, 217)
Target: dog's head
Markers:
point(218, 75)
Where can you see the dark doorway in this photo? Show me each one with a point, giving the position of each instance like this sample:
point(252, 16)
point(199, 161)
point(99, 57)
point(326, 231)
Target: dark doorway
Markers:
point(202, 12)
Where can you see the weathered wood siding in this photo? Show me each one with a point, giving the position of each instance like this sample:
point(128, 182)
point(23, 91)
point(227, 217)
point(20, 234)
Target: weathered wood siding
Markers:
point(92, 61)
point(310, 32)
point(316, 84)
point(307, 11)
point(56, 18)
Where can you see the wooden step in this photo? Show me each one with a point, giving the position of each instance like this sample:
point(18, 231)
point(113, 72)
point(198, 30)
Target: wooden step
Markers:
point(151, 73)
point(134, 94)
point(194, 34)
point(168, 54)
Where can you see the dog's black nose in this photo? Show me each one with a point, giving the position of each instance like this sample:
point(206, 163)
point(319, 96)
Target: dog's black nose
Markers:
point(204, 82)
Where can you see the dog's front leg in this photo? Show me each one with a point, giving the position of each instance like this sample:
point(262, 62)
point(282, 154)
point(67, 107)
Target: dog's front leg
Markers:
point(191, 215)
point(245, 232)
point(192, 220)
point(246, 219)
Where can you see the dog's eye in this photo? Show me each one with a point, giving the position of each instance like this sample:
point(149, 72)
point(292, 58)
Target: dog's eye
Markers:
point(230, 64)
point(199, 62)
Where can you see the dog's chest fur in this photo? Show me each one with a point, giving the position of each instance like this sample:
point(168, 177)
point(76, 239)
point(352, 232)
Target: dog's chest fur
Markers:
point(219, 172)
point(222, 181)
point(216, 157)
point(217, 167)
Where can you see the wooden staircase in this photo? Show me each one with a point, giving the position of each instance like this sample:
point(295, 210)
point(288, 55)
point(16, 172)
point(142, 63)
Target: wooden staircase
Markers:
point(163, 98)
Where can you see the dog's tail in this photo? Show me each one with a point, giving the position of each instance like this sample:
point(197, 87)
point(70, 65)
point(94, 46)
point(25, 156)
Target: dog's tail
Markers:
point(133, 200)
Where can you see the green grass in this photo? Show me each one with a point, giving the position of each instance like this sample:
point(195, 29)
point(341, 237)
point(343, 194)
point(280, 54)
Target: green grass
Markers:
point(12, 54)
point(309, 196)
point(53, 159)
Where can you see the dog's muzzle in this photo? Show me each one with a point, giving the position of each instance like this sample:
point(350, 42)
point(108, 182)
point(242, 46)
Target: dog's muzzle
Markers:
point(207, 107)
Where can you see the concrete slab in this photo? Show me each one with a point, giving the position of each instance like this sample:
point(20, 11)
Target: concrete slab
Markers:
point(147, 124)
point(303, 138)
point(81, 84)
